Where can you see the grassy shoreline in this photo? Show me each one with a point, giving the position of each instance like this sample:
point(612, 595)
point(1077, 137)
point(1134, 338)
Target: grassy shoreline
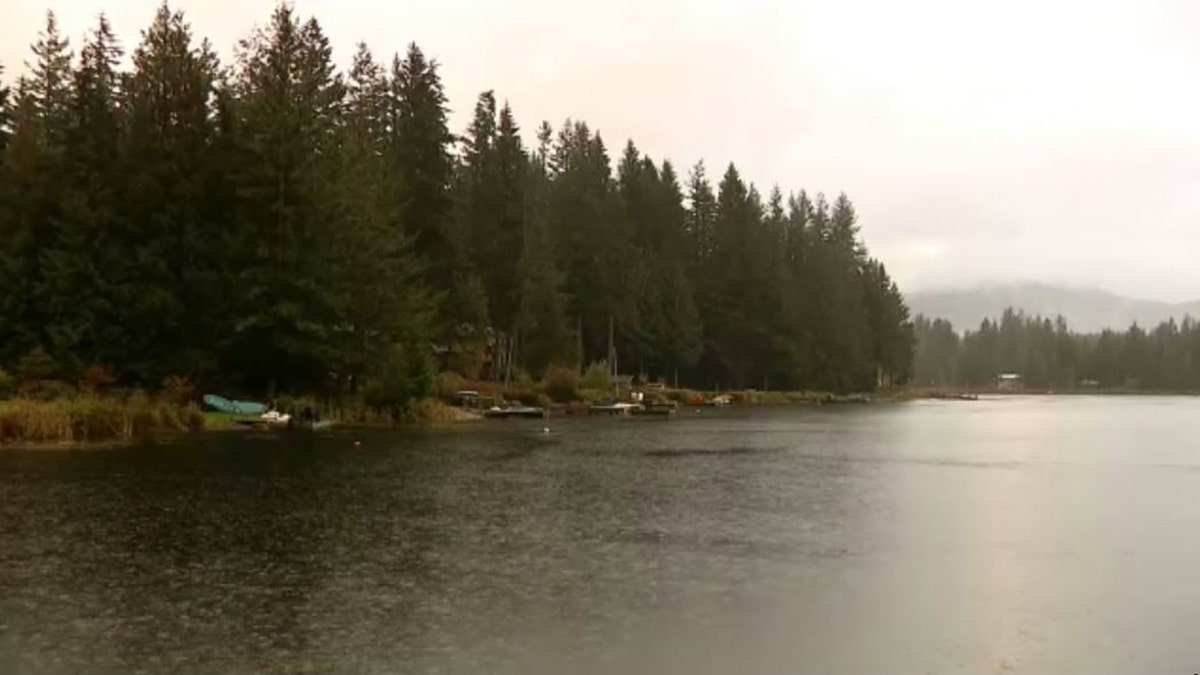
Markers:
point(92, 419)
point(100, 420)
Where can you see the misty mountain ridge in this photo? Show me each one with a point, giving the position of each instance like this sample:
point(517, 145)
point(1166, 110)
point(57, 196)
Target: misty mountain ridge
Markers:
point(1085, 309)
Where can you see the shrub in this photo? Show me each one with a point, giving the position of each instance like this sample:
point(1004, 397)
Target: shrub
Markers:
point(36, 365)
point(294, 404)
point(8, 384)
point(95, 378)
point(684, 396)
point(530, 397)
point(403, 378)
point(597, 377)
point(431, 411)
point(465, 359)
point(595, 395)
point(520, 378)
point(193, 417)
point(52, 390)
point(448, 384)
point(178, 390)
point(562, 384)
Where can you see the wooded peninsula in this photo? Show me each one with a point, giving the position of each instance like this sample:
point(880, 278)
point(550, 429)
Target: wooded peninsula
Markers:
point(1046, 354)
point(274, 225)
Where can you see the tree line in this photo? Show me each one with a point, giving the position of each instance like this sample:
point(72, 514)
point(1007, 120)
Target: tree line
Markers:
point(274, 224)
point(1046, 353)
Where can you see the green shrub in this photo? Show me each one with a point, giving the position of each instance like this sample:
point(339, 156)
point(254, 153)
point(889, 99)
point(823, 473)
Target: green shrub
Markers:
point(520, 378)
point(53, 390)
point(448, 384)
point(37, 365)
point(8, 384)
point(403, 377)
point(562, 384)
point(597, 377)
point(595, 395)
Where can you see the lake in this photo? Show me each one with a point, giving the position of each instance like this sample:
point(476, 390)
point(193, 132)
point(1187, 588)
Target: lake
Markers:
point(1024, 534)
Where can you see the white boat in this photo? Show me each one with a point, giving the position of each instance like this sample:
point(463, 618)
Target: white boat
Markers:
point(618, 408)
point(272, 417)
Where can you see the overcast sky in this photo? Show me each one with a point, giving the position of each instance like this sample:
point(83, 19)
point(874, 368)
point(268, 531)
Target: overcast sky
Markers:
point(1047, 140)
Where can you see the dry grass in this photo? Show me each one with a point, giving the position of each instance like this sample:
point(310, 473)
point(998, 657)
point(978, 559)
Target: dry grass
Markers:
point(433, 411)
point(91, 419)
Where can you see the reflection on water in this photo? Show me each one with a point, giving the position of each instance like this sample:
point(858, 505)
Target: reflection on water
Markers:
point(1017, 535)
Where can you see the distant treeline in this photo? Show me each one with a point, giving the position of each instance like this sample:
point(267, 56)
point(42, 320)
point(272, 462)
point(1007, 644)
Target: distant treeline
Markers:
point(273, 224)
point(1047, 354)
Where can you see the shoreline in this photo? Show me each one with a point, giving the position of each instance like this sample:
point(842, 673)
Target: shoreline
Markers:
point(71, 425)
point(953, 392)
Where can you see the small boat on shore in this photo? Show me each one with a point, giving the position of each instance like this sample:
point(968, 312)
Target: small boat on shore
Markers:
point(617, 408)
point(229, 407)
point(720, 401)
point(520, 411)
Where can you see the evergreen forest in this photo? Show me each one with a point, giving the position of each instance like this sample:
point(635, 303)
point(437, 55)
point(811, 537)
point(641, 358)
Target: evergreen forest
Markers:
point(1047, 354)
point(275, 224)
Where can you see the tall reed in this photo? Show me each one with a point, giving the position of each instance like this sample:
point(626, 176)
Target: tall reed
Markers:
point(91, 418)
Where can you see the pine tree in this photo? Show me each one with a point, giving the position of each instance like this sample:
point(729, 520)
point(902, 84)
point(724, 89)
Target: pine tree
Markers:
point(678, 329)
point(288, 100)
point(637, 182)
point(730, 323)
point(5, 112)
point(50, 83)
point(74, 287)
point(36, 156)
point(586, 216)
point(421, 170)
point(702, 215)
point(181, 232)
point(378, 334)
point(543, 338)
point(8, 219)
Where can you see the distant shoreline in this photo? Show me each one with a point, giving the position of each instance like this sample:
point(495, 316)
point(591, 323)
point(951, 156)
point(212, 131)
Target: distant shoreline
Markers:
point(950, 392)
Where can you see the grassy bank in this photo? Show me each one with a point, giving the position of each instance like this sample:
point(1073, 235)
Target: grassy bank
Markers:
point(94, 419)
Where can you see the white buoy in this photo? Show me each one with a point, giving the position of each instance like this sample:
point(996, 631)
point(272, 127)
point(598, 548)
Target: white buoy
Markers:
point(545, 430)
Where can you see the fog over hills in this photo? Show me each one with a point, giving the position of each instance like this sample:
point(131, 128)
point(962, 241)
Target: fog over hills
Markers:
point(1085, 309)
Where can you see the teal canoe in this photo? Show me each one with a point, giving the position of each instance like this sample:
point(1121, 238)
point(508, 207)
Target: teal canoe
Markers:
point(234, 407)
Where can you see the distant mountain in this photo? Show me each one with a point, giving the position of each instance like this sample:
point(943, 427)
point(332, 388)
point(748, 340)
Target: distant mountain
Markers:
point(1086, 310)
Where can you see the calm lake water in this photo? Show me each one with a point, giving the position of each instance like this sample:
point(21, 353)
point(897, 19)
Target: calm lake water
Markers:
point(1019, 535)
